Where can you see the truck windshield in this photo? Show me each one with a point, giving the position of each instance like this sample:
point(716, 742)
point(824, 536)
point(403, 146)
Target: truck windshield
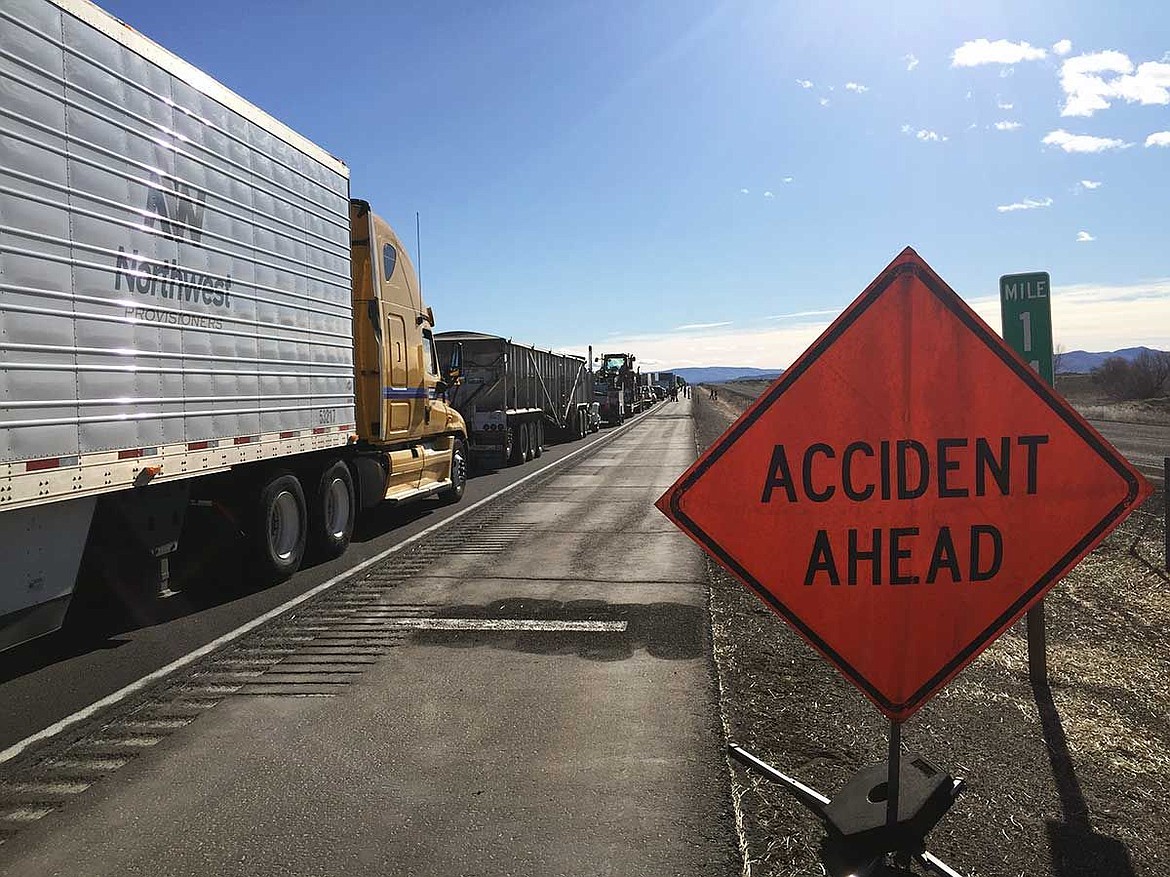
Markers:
point(614, 362)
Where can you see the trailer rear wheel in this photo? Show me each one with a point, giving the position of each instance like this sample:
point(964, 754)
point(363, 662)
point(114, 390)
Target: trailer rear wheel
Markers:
point(279, 527)
point(333, 512)
point(518, 447)
point(538, 445)
point(525, 442)
point(509, 446)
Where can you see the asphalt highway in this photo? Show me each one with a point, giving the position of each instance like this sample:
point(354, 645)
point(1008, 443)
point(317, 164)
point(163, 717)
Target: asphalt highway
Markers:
point(1145, 445)
point(527, 691)
point(105, 648)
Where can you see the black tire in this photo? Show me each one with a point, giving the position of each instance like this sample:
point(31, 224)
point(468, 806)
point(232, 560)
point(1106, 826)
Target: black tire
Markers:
point(509, 446)
point(333, 512)
point(279, 528)
point(454, 493)
point(523, 443)
point(538, 445)
point(517, 449)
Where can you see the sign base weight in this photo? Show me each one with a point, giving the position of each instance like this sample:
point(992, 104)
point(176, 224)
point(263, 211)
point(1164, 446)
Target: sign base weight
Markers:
point(859, 839)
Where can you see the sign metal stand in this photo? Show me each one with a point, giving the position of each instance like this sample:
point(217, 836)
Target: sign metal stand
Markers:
point(893, 775)
point(901, 835)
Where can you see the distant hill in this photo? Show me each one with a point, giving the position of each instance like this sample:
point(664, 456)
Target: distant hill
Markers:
point(1079, 362)
point(717, 374)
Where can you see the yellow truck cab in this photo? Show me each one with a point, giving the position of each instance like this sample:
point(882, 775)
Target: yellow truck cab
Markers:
point(401, 410)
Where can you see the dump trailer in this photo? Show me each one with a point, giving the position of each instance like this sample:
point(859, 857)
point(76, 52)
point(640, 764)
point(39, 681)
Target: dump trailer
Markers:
point(193, 313)
point(515, 397)
point(643, 392)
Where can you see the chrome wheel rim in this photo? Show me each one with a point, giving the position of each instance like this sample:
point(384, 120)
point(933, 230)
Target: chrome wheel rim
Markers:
point(284, 525)
point(337, 508)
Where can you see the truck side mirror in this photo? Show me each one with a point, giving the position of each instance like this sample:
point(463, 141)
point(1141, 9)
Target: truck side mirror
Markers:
point(455, 366)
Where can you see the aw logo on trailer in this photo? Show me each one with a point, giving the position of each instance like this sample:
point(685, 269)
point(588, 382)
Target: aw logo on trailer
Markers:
point(177, 211)
point(178, 208)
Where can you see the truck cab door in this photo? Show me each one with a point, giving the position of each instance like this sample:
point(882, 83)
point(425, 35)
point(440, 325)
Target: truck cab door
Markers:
point(398, 395)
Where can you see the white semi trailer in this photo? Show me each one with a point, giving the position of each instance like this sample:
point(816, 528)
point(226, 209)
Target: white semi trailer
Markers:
point(191, 307)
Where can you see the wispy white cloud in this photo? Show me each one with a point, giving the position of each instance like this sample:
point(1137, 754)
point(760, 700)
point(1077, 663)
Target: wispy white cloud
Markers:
point(1003, 105)
point(769, 195)
point(1082, 142)
point(692, 326)
point(1026, 204)
point(923, 134)
point(1083, 237)
point(1007, 126)
point(976, 52)
point(744, 192)
point(1005, 72)
point(1091, 82)
point(804, 83)
point(857, 87)
point(1084, 86)
point(824, 102)
point(799, 315)
point(1091, 184)
point(788, 179)
point(1062, 47)
point(1158, 138)
point(911, 61)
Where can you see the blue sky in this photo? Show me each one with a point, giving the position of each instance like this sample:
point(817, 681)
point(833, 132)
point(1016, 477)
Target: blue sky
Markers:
point(581, 168)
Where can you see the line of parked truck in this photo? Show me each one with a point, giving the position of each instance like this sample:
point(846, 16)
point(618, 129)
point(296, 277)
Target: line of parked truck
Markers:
point(194, 312)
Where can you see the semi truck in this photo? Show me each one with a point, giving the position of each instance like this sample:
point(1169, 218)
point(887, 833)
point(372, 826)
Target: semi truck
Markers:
point(193, 311)
point(514, 397)
point(666, 380)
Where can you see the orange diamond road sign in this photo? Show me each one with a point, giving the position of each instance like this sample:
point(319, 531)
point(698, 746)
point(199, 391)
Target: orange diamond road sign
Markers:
point(906, 490)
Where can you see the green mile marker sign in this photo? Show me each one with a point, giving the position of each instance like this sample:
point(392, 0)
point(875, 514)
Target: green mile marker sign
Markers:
point(1025, 305)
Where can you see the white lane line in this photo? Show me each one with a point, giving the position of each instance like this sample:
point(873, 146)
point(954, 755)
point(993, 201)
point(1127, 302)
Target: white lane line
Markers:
point(150, 678)
point(508, 624)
